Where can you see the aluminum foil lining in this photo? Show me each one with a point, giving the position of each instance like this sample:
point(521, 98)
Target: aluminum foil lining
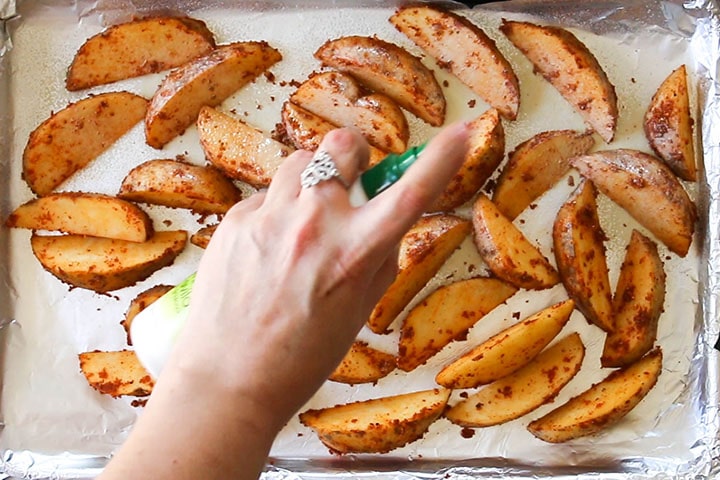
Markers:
point(678, 440)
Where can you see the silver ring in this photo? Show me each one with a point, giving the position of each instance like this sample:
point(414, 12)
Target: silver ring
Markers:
point(321, 168)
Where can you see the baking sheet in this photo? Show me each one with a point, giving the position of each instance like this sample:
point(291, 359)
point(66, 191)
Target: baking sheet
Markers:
point(55, 425)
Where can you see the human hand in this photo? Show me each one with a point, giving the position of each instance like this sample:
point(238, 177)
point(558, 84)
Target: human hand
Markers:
point(287, 281)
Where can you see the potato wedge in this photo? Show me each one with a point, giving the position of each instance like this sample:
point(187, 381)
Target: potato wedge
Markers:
point(73, 137)
point(363, 364)
point(647, 189)
point(306, 130)
point(535, 166)
point(572, 69)
point(507, 252)
point(82, 213)
point(205, 81)
point(136, 48)
point(338, 98)
point(668, 125)
point(103, 264)
point(140, 303)
point(202, 237)
point(178, 184)
point(465, 50)
point(378, 425)
point(423, 250)
point(486, 150)
point(506, 351)
point(579, 246)
point(519, 393)
point(389, 69)
point(446, 315)
point(603, 404)
point(638, 303)
point(239, 150)
point(116, 373)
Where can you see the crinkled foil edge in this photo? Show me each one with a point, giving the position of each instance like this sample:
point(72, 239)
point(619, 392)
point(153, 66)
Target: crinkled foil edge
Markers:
point(705, 39)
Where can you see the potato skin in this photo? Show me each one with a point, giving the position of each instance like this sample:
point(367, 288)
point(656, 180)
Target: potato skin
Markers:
point(579, 246)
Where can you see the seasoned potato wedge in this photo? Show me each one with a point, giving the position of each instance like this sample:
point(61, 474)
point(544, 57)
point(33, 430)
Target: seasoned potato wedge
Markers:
point(306, 130)
point(647, 189)
point(338, 98)
point(506, 251)
point(81, 213)
point(519, 393)
point(465, 50)
point(423, 250)
point(579, 246)
point(136, 48)
point(140, 303)
point(638, 303)
point(178, 184)
point(572, 69)
point(378, 425)
point(389, 69)
point(363, 364)
point(446, 315)
point(535, 166)
point(207, 80)
point(116, 373)
point(202, 237)
point(603, 404)
point(104, 264)
point(668, 125)
point(486, 148)
point(239, 150)
point(73, 137)
point(507, 351)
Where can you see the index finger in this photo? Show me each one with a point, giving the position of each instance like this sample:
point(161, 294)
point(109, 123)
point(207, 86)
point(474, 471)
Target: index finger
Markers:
point(389, 215)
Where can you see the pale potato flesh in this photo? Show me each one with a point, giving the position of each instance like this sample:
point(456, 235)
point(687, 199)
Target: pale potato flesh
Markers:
point(446, 315)
point(338, 98)
point(668, 125)
point(486, 149)
point(389, 69)
point(579, 246)
point(603, 404)
point(521, 392)
point(238, 149)
point(506, 251)
point(116, 373)
point(306, 130)
point(535, 166)
point(638, 303)
point(647, 189)
point(178, 184)
point(572, 69)
point(103, 264)
point(363, 364)
point(205, 81)
point(378, 425)
point(466, 51)
point(73, 137)
point(423, 250)
point(508, 350)
point(136, 48)
point(82, 213)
